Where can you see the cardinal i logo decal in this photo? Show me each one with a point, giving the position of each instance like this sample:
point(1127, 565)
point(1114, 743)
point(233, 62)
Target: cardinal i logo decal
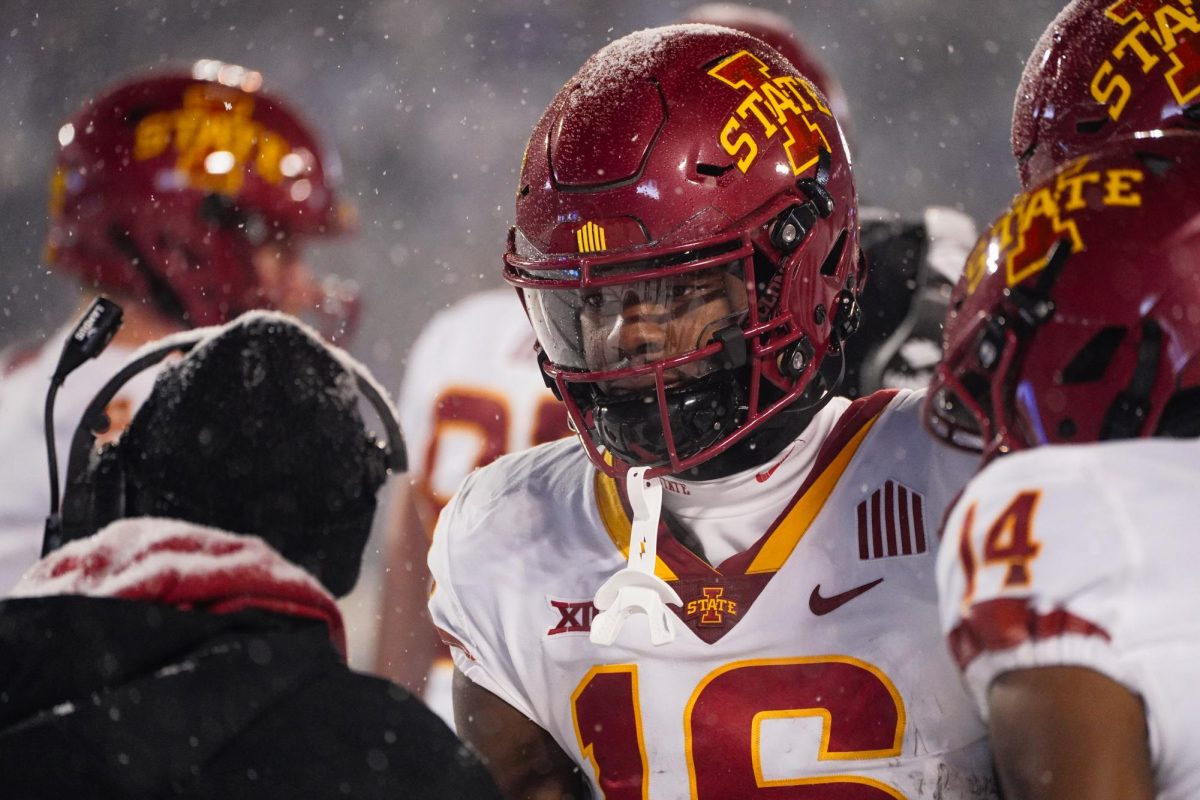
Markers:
point(774, 105)
point(1020, 241)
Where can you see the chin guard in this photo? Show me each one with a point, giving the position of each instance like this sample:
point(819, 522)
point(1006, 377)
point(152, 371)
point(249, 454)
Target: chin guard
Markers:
point(636, 589)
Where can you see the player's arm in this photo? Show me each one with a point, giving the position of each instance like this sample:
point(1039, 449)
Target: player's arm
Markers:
point(407, 641)
point(524, 759)
point(1061, 733)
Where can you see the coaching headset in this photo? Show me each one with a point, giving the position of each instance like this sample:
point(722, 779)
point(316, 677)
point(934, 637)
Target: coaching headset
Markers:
point(95, 485)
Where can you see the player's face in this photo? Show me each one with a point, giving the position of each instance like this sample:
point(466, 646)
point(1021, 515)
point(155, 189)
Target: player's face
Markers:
point(285, 281)
point(635, 324)
point(631, 325)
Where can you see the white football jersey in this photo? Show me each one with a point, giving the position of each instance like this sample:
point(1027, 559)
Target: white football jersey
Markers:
point(811, 660)
point(473, 392)
point(24, 474)
point(1085, 555)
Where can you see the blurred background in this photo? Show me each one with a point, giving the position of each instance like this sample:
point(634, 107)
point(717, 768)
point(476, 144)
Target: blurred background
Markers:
point(430, 103)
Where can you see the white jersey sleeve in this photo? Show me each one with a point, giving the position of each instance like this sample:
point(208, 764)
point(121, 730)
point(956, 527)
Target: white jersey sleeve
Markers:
point(1084, 556)
point(1031, 569)
point(459, 623)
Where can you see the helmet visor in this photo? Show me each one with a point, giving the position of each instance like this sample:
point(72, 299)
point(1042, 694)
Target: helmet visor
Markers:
point(629, 326)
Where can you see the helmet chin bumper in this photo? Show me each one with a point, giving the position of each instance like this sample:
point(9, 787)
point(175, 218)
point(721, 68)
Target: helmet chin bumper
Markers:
point(638, 429)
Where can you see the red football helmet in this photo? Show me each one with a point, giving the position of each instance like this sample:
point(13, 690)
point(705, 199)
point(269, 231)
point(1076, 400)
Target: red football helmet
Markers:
point(1103, 69)
point(165, 186)
point(777, 31)
point(686, 243)
point(1078, 316)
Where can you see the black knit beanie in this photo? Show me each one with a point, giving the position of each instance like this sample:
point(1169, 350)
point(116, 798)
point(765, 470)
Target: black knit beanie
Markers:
point(257, 431)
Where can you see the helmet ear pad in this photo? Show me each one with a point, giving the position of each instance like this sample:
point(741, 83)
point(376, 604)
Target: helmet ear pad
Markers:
point(93, 498)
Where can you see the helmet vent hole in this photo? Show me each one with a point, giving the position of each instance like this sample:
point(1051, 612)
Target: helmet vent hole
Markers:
point(830, 265)
point(978, 387)
point(1181, 416)
point(136, 114)
point(1091, 126)
point(1090, 363)
point(1192, 112)
point(713, 170)
point(1157, 164)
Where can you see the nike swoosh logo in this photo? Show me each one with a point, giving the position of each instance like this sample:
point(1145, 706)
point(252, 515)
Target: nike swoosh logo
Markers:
point(823, 605)
point(765, 475)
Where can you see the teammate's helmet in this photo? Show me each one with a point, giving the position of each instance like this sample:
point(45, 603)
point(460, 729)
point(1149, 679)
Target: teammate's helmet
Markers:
point(165, 185)
point(777, 31)
point(686, 243)
point(1103, 69)
point(1078, 316)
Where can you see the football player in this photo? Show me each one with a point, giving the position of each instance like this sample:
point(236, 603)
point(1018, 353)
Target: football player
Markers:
point(1066, 572)
point(1138, 71)
point(465, 401)
point(187, 197)
point(913, 268)
point(463, 408)
point(686, 246)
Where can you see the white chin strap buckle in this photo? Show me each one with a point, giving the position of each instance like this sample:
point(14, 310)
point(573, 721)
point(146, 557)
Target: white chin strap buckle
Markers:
point(636, 589)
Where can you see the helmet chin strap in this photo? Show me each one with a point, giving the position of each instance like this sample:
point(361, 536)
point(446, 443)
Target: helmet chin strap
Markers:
point(699, 413)
point(636, 589)
point(164, 298)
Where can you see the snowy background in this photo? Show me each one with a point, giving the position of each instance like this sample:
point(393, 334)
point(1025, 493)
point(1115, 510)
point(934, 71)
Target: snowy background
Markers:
point(430, 102)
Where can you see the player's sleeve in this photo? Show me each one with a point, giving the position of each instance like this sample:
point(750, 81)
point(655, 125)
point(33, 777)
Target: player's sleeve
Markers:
point(1033, 570)
point(476, 654)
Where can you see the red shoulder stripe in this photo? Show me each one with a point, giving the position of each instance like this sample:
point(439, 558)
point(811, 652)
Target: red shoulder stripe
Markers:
point(1004, 623)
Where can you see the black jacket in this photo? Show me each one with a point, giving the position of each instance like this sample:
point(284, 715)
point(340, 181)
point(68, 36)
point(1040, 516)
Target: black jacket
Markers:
point(113, 698)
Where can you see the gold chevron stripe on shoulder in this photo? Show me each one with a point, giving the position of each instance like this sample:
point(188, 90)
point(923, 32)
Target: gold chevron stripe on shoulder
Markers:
point(791, 530)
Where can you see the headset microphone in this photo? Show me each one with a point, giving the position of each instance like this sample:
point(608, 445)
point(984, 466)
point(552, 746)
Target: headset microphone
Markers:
point(87, 340)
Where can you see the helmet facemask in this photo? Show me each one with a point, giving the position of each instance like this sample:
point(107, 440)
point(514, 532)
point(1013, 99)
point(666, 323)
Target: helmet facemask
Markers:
point(667, 362)
point(646, 352)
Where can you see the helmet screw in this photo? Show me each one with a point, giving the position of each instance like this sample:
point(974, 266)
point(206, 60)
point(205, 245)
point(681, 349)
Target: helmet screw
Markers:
point(798, 361)
point(988, 353)
point(789, 233)
point(795, 359)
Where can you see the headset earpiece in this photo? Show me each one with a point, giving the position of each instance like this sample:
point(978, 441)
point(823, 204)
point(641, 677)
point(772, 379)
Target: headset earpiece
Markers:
point(94, 497)
point(96, 488)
